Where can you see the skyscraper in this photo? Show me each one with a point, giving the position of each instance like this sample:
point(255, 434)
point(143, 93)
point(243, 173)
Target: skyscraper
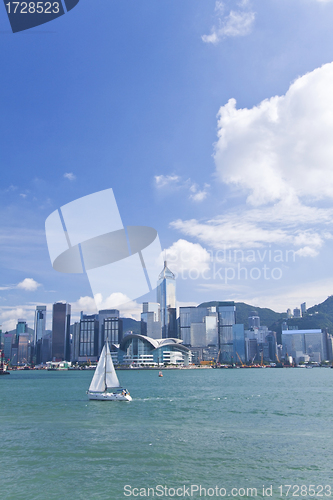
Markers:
point(110, 326)
point(166, 297)
point(253, 320)
point(61, 319)
point(150, 322)
point(227, 318)
point(40, 323)
point(88, 340)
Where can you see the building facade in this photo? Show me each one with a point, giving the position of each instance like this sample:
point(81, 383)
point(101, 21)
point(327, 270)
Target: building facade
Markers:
point(305, 345)
point(88, 339)
point(166, 297)
point(227, 318)
point(150, 320)
point(61, 317)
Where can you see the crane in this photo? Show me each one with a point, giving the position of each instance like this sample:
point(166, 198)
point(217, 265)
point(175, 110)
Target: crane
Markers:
point(240, 359)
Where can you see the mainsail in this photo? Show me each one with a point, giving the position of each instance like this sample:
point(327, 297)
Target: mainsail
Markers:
point(105, 375)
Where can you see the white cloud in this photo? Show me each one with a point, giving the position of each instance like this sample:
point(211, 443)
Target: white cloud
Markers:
point(170, 183)
point(162, 181)
point(28, 284)
point(184, 255)
point(10, 315)
point(127, 307)
point(70, 176)
point(283, 147)
point(198, 194)
point(301, 228)
point(236, 23)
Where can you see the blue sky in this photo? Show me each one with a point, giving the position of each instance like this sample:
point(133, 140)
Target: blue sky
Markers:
point(210, 120)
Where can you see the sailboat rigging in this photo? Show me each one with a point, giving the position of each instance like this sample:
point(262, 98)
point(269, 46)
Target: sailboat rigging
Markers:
point(105, 378)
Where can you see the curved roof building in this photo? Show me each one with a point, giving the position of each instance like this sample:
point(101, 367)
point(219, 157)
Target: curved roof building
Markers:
point(139, 349)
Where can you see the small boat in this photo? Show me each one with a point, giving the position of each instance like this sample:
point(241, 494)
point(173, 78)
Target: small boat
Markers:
point(3, 367)
point(160, 374)
point(105, 378)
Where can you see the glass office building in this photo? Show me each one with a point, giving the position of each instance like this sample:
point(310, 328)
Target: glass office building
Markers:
point(227, 318)
point(88, 348)
point(166, 297)
point(61, 319)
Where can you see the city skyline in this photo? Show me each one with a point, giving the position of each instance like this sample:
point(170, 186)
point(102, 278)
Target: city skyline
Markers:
point(196, 334)
point(203, 126)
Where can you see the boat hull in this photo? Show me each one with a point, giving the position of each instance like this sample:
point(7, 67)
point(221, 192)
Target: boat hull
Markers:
point(108, 396)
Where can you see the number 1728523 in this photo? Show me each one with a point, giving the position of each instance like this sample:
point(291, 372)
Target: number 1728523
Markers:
point(32, 7)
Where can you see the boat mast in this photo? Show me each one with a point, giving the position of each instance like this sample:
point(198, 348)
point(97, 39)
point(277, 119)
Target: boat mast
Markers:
point(106, 359)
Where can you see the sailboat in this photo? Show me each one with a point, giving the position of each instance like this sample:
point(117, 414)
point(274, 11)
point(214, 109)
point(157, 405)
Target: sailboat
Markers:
point(105, 378)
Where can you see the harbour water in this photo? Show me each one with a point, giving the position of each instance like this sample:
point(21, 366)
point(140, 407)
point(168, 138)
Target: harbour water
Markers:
point(241, 428)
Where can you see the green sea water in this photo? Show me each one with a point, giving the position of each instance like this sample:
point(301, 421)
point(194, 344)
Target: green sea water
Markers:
point(214, 428)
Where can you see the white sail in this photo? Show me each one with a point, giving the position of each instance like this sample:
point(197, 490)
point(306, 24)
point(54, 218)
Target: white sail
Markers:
point(105, 375)
point(111, 379)
point(98, 381)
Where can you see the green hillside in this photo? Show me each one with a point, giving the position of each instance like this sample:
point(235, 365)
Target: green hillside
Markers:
point(318, 316)
point(267, 316)
point(132, 325)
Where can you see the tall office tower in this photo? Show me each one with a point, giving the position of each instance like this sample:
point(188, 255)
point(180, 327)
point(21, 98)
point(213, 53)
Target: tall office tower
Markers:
point(40, 323)
point(46, 351)
point(104, 328)
point(61, 319)
point(166, 297)
point(113, 330)
point(239, 343)
point(150, 320)
point(227, 318)
point(297, 313)
point(289, 313)
point(253, 320)
point(88, 341)
point(303, 344)
point(23, 349)
point(8, 340)
point(21, 327)
point(198, 326)
point(303, 308)
point(75, 341)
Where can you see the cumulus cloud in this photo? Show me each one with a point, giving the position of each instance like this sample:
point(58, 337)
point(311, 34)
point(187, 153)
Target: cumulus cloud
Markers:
point(70, 176)
point(10, 315)
point(170, 183)
point(283, 147)
point(162, 181)
point(236, 23)
point(198, 194)
point(128, 308)
point(28, 284)
point(184, 255)
point(302, 228)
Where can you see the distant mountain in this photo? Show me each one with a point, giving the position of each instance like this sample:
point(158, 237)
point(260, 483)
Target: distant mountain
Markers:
point(132, 325)
point(267, 316)
point(318, 316)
